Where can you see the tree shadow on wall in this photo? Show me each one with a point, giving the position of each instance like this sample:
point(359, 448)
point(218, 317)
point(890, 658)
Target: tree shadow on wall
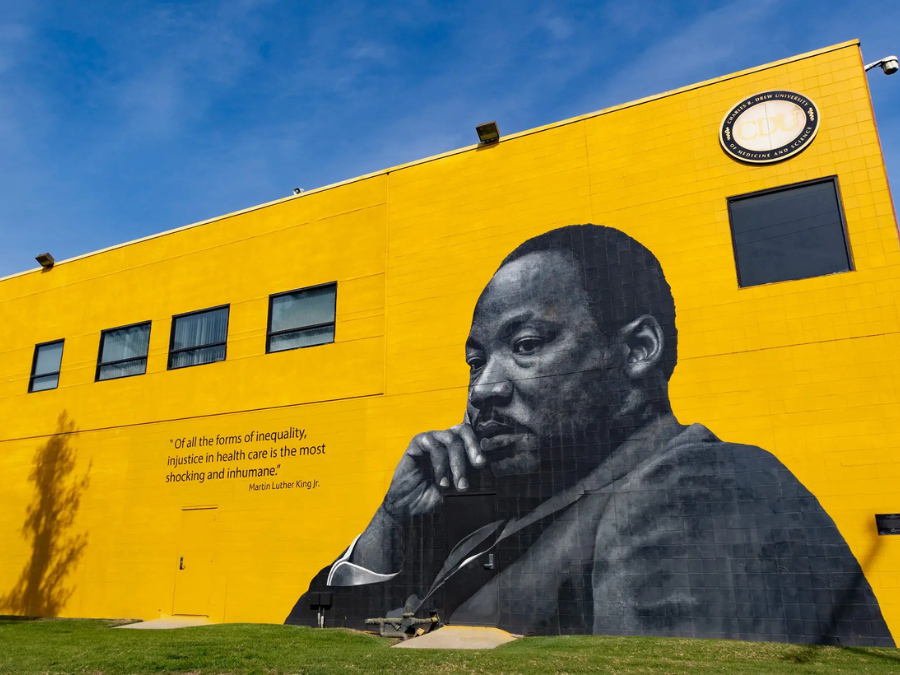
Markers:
point(843, 612)
point(41, 589)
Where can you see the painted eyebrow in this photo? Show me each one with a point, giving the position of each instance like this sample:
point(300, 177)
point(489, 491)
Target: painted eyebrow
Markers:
point(511, 326)
point(472, 343)
point(515, 323)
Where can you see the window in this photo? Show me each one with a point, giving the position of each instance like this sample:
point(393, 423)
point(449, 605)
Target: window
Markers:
point(198, 337)
point(123, 352)
point(792, 232)
point(301, 318)
point(45, 366)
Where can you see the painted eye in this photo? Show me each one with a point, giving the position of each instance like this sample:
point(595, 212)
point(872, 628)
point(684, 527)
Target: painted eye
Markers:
point(527, 346)
point(475, 363)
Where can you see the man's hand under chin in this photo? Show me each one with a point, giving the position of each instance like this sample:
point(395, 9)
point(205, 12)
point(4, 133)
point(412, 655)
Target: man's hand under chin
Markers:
point(450, 453)
point(415, 490)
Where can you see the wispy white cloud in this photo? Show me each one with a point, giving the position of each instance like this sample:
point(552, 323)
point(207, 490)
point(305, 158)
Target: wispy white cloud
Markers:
point(558, 27)
point(369, 51)
point(710, 43)
point(13, 40)
point(177, 63)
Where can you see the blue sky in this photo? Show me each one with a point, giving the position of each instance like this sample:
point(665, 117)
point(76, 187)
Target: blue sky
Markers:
point(121, 119)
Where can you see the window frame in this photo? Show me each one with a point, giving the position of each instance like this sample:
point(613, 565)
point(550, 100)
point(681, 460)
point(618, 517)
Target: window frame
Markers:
point(270, 334)
point(833, 179)
point(175, 317)
point(146, 357)
point(34, 358)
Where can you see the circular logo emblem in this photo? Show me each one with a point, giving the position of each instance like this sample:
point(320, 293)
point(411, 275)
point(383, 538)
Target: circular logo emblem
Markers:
point(769, 127)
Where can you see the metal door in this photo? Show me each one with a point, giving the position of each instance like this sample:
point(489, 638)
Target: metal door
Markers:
point(470, 595)
point(195, 559)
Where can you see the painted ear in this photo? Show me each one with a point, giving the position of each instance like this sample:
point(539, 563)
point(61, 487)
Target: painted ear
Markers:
point(643, 338)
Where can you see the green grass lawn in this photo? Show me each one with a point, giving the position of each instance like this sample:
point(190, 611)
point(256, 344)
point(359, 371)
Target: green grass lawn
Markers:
point(92, 647)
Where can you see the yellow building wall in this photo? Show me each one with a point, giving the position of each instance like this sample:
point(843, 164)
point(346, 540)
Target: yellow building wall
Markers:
point(807, 369)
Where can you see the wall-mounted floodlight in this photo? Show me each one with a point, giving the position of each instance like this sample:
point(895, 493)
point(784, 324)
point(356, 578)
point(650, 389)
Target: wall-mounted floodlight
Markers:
point(488, 133)
point(298, 191)
point(46, 260)
point(888, 65)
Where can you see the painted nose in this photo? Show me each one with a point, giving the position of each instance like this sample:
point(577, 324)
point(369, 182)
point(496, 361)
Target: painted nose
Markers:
point(493, 388)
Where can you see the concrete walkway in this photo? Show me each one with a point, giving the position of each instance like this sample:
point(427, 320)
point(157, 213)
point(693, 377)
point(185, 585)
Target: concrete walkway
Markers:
point(458, 637)
point(169, 622)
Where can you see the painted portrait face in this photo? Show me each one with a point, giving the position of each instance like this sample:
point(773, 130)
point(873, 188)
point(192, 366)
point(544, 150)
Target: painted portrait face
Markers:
point(539, 367)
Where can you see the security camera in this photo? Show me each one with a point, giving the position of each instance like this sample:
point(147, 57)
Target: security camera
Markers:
point(888, 65)
point(297, 191)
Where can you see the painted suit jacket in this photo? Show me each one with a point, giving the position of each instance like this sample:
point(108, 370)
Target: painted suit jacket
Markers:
point(676, 533)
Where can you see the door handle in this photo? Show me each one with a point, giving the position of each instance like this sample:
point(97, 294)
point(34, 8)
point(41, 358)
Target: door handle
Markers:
point(489, 565)
point(181, 563)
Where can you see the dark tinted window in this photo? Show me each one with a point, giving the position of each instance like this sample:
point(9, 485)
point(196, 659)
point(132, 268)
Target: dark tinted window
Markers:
point(198, 338)
point(301, 318)
point(123, 352)
point(45, 366)
point(795, 232)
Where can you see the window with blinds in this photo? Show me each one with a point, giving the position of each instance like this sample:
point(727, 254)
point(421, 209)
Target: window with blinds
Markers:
point(123, 352)
point(301, 318)
point(791, 232)
point(45, 366)
point(198, 337)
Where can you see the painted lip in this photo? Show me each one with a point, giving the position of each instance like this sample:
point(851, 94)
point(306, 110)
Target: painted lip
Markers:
point(496, 435)
point(492, 428)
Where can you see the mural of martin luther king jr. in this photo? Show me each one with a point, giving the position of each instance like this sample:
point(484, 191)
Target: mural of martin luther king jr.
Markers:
point(608, 515)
